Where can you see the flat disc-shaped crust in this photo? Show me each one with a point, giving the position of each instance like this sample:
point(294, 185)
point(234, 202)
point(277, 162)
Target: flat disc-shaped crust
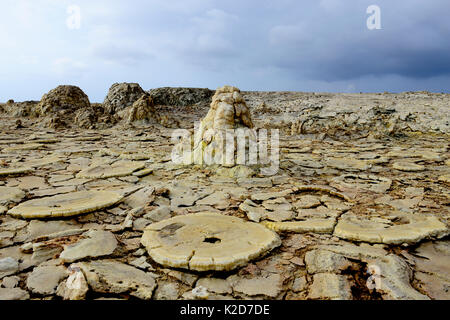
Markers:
point(310, 225)
point(412, 228)
point(65, 205)
point(363, 182)
point(43, 161)
point(28, 146)
point(126, 154)
point(11, 171)
point(329, 190)
point(407, 166)
point(348, 164)
point(8, 194)
point(118, 169)
point(207, 241)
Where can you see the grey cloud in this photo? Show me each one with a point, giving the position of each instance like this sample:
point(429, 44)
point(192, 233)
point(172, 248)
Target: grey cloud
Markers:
point(415, 46)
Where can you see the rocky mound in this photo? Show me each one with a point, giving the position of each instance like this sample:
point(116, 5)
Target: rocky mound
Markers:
point(121, 96)
point(228, 110)
point(63, 100)
point(180, 96)
point(142, 110)
point(20, 109)
point(64, 106)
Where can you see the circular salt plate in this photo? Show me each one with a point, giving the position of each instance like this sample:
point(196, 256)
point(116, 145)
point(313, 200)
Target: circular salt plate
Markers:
point(362, 182)
point(118, 169)
point(396, 228)
point(65, 205)
point(207, 241)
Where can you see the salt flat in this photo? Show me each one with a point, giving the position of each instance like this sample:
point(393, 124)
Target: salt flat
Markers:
point(360, 202)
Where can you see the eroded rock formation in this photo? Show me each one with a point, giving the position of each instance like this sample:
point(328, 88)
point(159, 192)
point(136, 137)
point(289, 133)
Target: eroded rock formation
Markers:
point(121, 96)
point(66, 106)
point(142, 110)
point(228, 111)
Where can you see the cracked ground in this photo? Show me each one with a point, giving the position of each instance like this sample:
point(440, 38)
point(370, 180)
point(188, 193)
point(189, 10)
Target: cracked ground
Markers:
point(359, 217)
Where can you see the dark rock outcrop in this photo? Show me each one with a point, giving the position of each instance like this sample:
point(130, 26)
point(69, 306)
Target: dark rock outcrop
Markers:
point(180, 96)
point(121, 96)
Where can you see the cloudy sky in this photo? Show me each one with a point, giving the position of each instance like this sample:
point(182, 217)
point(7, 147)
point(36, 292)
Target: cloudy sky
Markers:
point(301, 45)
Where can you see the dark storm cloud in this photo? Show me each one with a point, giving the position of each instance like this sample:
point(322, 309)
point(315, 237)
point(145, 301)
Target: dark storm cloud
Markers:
point(335, 44)
point(315, 45)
